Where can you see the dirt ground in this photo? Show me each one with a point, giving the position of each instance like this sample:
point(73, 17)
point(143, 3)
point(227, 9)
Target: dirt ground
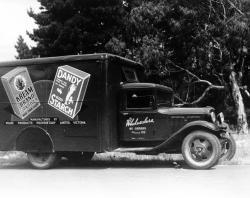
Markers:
point(127, 175)
point(123, 178)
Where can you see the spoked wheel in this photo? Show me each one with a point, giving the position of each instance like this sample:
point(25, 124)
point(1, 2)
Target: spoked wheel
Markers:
point(42, 160)
point(201, 150)
point(228, 145)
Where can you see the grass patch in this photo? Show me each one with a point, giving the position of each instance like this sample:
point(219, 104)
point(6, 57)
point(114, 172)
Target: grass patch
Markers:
point(10, 158)
point(242, 156)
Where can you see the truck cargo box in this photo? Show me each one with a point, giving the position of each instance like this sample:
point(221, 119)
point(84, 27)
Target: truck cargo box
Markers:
point(73, 99)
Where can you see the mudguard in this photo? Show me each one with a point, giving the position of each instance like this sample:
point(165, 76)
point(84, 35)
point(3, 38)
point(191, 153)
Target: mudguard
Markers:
point(34, 139)
point(185, 130)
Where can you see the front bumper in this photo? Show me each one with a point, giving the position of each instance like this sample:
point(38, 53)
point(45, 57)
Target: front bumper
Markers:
point(223, 126)
point(225, 131)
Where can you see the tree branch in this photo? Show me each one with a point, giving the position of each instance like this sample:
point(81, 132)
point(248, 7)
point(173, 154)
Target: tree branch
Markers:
point(206, 92)
point(178, 98)
point(224, 10)
point(237, 9)
point(203, 81)
point(211, 87)
point(218, 78)
point(181, 68)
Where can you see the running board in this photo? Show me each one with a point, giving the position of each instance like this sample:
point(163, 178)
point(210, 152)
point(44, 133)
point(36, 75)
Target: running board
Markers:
point(133, 150)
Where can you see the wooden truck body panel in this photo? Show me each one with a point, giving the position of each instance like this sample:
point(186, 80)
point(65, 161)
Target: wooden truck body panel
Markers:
point(94, 128)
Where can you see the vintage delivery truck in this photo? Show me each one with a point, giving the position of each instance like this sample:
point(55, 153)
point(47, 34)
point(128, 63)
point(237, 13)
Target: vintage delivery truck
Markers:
point(75, 106)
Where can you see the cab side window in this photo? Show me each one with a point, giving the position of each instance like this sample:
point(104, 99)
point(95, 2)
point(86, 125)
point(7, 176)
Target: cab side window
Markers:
point(130, 74)
point(140, 99)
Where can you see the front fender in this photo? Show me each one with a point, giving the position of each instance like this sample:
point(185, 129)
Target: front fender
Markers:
point(177, 137)
point(199, 123)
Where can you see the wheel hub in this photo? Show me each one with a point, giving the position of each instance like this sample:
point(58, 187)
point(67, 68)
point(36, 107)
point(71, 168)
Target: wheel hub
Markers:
point(200, 149)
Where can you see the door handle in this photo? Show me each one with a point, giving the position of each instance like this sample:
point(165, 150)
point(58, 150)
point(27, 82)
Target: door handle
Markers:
point(124, 113)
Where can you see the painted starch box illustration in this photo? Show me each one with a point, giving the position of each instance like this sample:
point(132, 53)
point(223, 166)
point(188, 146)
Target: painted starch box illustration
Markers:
point(20, 91)
point(68, 90)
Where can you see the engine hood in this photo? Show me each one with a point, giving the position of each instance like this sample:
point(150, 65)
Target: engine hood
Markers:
point(185, 110)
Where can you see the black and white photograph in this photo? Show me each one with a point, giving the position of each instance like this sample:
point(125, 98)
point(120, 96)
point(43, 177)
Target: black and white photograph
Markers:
point(124, 98)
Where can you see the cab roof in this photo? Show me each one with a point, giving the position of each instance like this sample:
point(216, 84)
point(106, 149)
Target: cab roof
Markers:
point(145, 86)
point(69, 58)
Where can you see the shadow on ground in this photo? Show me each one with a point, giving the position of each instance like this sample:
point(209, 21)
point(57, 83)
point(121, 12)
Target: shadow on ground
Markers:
point(99, 164)
point(18, 160)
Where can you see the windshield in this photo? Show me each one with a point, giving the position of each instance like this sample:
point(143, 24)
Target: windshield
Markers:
point(164, 98)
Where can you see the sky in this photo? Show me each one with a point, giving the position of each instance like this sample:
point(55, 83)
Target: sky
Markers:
point(14, 21)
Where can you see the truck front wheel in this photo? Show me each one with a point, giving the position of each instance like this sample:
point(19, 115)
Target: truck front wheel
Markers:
point(201, 150)
point(42, 160)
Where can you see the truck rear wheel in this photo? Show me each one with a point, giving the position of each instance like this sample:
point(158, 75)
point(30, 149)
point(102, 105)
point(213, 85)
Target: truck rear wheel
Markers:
point(42, 160)
point(201, 150)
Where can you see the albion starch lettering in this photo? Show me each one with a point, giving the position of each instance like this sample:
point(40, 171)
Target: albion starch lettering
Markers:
point(20, 91)
point(68, 90)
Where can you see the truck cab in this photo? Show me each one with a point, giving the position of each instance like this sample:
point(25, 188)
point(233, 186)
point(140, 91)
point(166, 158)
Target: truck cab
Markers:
point(150, 122)
point(139, 112)
point(148, 114)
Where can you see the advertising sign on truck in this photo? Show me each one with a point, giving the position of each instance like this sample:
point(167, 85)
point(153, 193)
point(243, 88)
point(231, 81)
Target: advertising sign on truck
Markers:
point(20, 91)
point(68, 90)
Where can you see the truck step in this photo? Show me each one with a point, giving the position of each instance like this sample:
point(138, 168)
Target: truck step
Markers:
point(135, 149)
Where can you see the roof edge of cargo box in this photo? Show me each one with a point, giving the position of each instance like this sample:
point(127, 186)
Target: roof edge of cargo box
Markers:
point(68, 58)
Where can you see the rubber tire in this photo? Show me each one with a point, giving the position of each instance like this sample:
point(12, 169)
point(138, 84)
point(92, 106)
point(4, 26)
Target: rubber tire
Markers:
point(36, 161)
point(231, 151)
point(216, 147)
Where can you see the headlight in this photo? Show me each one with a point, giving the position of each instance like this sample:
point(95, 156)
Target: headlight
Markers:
point(213, 117)
point(221, 117)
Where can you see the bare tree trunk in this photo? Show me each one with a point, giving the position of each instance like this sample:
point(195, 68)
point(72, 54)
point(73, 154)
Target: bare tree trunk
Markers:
point(239, 105)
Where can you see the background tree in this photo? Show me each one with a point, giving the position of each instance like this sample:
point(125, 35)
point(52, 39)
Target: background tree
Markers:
point(23, 50)
point(203, 45)
point(198, 49)
point(74, 27)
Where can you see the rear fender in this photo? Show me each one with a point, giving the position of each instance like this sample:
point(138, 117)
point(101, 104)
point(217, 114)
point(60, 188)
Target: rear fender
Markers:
point(34, 139)
point(179, 135)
